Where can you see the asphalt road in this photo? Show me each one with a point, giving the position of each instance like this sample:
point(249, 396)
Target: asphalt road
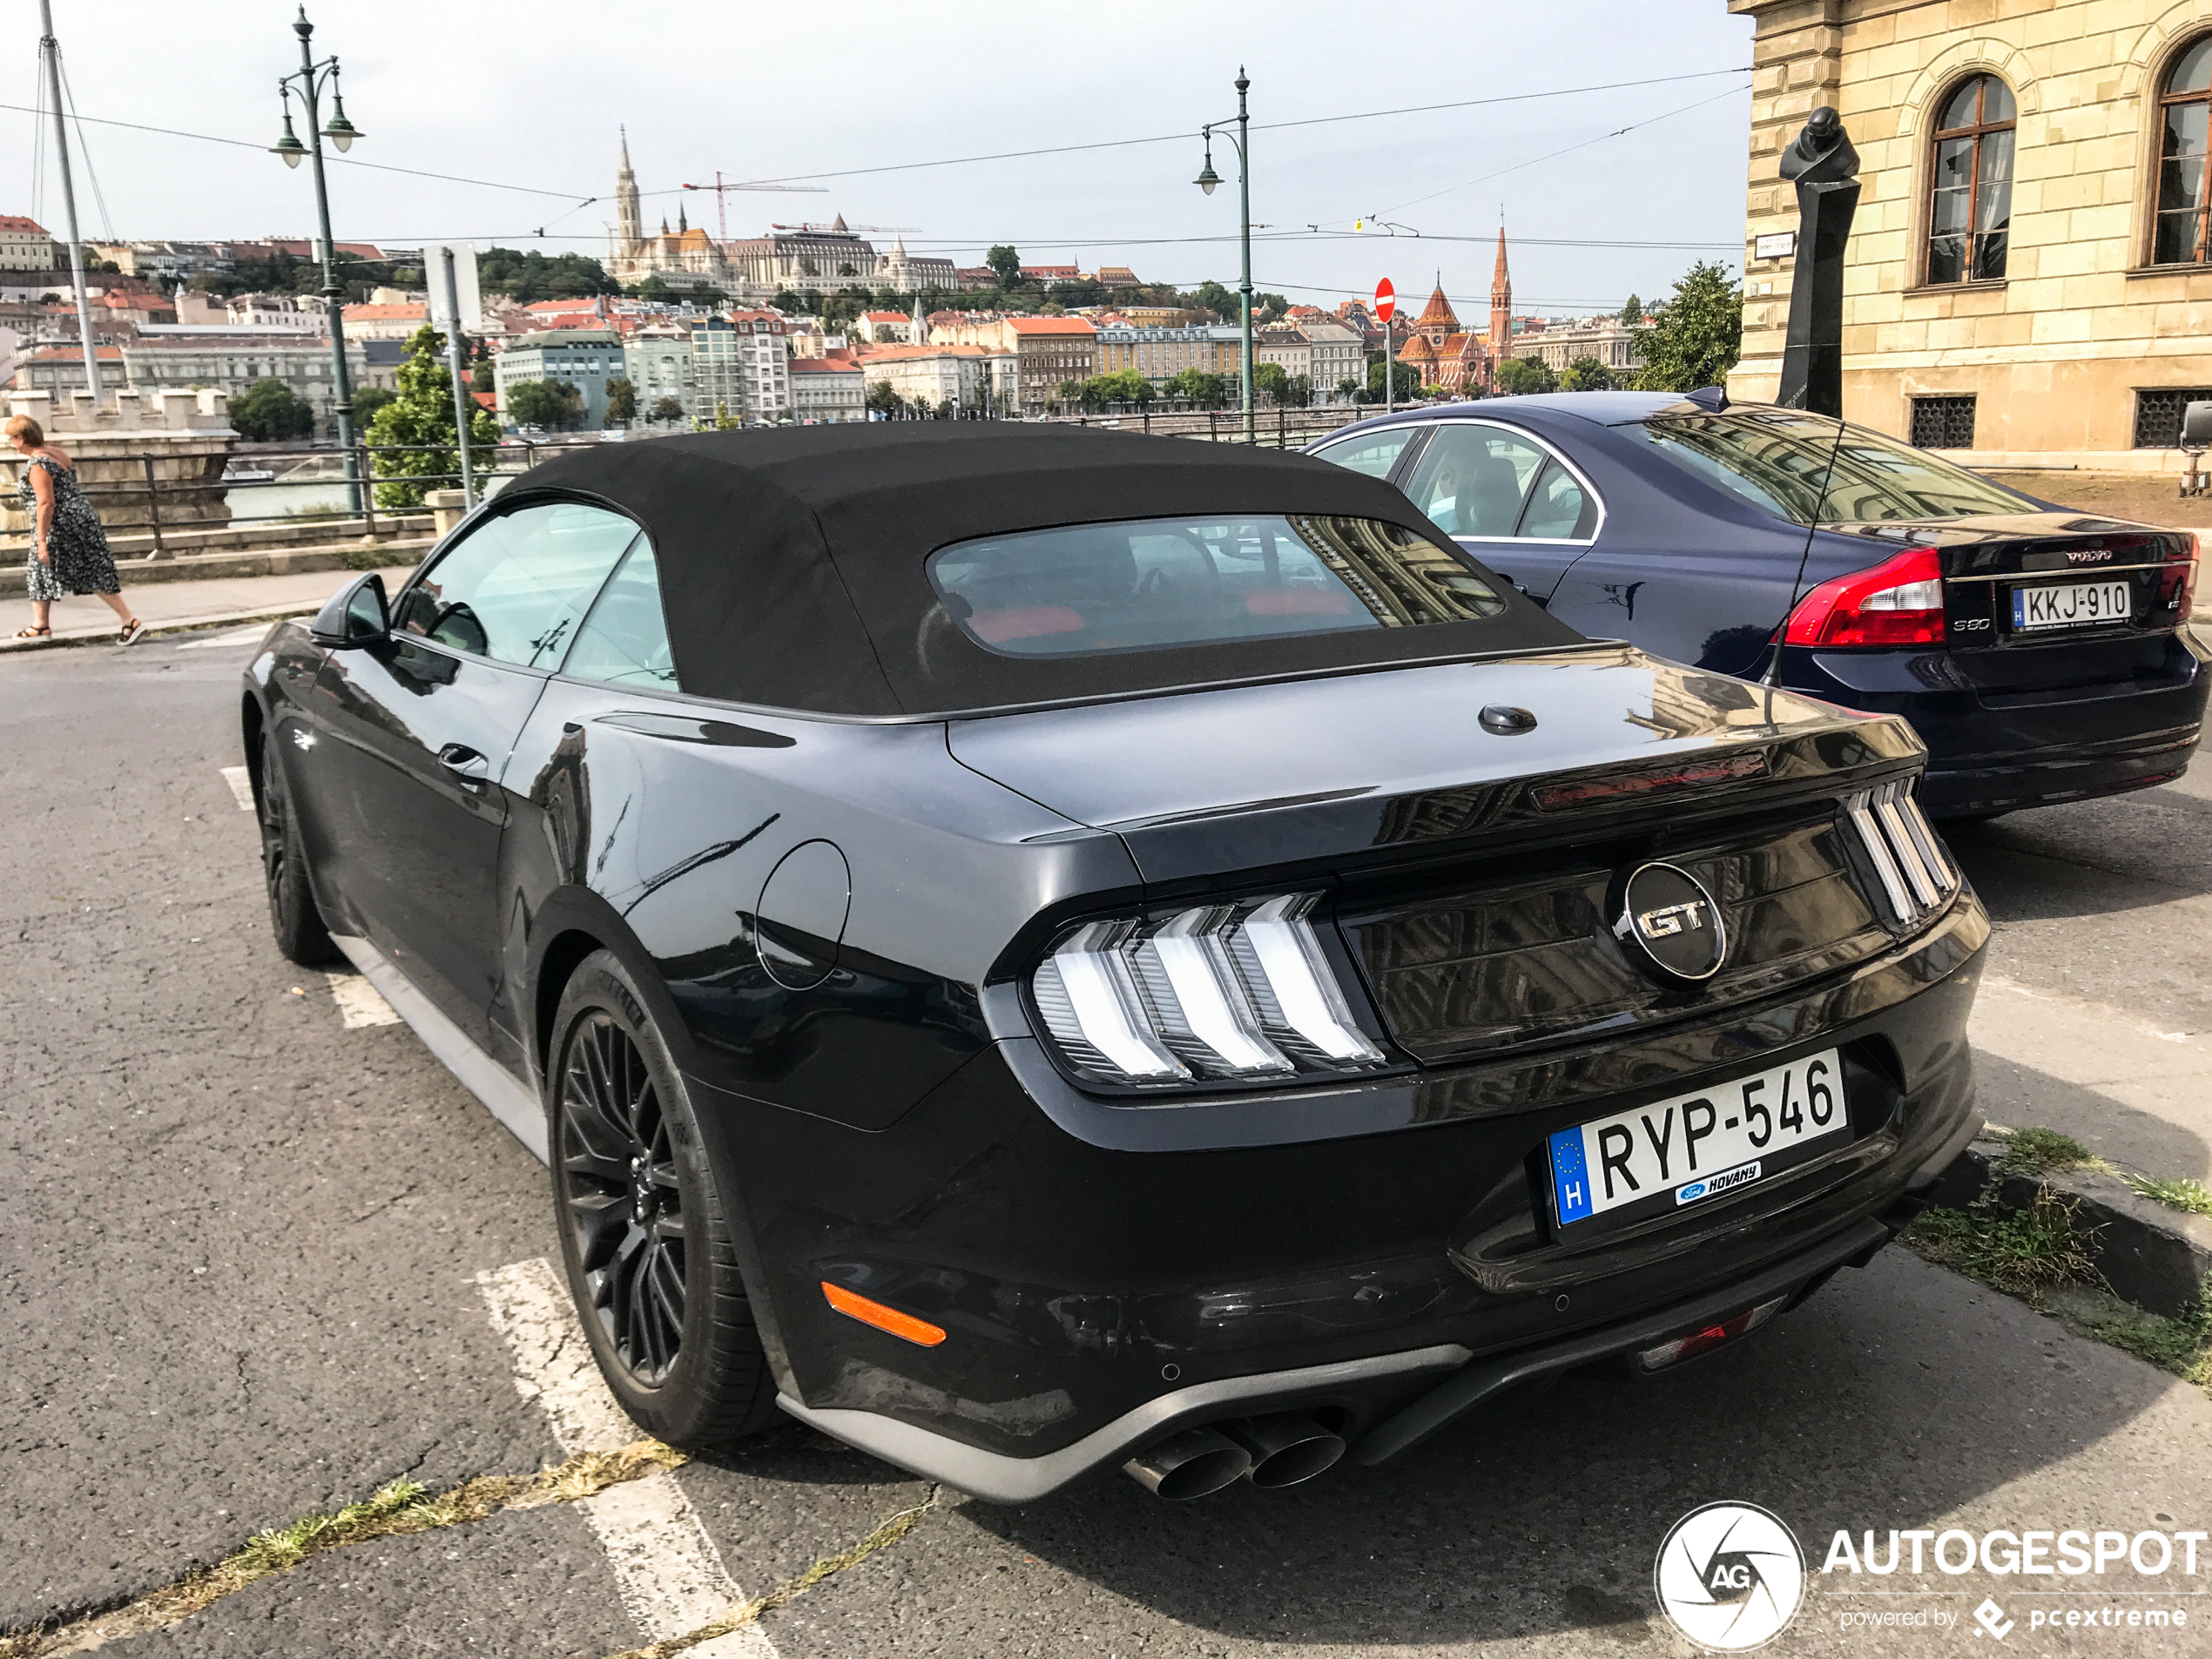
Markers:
point(239, 1243)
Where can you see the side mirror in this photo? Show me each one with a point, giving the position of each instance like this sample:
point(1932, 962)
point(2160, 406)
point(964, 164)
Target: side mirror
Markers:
point(357, 615)
point(2196, 426)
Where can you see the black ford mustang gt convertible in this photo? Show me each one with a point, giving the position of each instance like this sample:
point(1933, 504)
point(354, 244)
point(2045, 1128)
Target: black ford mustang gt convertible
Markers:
point(1030, 949)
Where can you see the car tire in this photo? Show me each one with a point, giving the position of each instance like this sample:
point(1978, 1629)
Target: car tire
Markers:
point(645, 1232)
point(293, 915)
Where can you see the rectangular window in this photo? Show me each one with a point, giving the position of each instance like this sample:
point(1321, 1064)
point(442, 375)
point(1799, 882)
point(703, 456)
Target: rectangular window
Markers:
point(1942, 422)
point(2158, 415)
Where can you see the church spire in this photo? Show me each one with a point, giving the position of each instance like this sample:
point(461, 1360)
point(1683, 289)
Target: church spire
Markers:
point(1500, 303)
point(628, 232)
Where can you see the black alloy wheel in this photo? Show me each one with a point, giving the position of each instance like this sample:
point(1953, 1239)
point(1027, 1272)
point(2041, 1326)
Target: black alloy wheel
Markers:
point(621, 1197)
point(293, 915)
point(646, 1234)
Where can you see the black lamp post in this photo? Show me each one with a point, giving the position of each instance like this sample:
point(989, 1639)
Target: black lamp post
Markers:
point(310, 79)
point(1206, 180)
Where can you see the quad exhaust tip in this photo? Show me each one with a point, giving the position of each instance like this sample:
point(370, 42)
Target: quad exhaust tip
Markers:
point(1279, 1450)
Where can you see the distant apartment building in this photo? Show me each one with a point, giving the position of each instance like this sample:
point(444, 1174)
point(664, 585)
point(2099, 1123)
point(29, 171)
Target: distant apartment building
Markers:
point(182, 358)
point(886, 329)
point(298, 313)
point(24, 245)
point(939, 377)
point(657, 358)
point(163, 261)
point(386, 321)
point(586, 359)
point(1337, 355)
point(740, 366)
point(1160, 354)
point(1050, 352)
point(1559, 346)
point(825, 390)
point(1285, 346)
point(1118, 276)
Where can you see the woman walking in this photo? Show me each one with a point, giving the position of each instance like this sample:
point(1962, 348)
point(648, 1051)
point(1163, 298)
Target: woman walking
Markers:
point(69, 551)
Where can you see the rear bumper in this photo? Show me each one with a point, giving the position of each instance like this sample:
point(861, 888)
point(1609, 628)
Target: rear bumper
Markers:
point(1990, 751)
point(1097, 1296)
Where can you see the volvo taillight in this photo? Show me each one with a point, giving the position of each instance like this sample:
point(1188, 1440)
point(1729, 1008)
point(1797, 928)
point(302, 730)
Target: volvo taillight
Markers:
point(1216, 992)
point(2177, 583)
point(1898, 602)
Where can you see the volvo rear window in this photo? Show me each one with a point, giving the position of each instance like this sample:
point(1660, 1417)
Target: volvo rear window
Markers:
point(1143, 583)
point(1779, 461)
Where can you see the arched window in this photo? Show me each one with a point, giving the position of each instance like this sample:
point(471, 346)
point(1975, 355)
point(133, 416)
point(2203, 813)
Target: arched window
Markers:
point(1970, 204)
point(2179, 237)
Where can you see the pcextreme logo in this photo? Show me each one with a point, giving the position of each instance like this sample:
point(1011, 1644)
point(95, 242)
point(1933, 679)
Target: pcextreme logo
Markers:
point(1729, 1577)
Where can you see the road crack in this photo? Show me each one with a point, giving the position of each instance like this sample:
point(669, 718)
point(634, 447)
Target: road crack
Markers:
point(749, 1611)
point(395, 1510)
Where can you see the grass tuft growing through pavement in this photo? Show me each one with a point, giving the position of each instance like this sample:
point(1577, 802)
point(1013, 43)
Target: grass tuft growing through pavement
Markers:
point(2019, 1251)
point(2043, 1151)
point(2182, 1346)
point(393, 1511)
point(2183, 1194)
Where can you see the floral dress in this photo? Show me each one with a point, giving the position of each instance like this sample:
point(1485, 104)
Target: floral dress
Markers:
point(76, 550)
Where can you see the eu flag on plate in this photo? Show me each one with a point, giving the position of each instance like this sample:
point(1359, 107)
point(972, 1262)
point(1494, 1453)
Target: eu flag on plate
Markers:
point(1570, 1175)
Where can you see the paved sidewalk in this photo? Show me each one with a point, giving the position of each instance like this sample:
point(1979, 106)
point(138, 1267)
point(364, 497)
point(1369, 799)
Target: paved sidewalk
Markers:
point(167, 607)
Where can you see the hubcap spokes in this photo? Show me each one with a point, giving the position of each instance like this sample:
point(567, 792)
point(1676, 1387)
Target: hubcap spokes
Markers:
point(619, 1191)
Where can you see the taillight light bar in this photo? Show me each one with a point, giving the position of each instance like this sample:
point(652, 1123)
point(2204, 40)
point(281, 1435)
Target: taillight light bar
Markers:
point(1224, 991)
point(1898, 602)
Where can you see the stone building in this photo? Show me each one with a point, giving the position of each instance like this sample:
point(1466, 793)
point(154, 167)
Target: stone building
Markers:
point(1560, 345)
point(1443, 353)
point(24, 245)
point(827, 390)
point(2029, 277)
point(1050, 352)
point(1160, 354)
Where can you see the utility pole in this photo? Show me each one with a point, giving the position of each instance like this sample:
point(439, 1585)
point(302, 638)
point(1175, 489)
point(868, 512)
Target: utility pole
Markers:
point(463, 405)
point(50, 51)
point(1206, 180)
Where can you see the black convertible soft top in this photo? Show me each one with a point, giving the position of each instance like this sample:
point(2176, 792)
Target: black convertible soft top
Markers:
point(792, 561)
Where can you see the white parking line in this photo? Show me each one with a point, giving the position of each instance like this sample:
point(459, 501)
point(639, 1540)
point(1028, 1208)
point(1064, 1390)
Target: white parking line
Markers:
point(242, 787)
point(670, 1575)
point(358, 1003)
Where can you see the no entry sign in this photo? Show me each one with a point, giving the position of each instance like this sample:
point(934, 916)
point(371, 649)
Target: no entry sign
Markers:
point(1386, 300)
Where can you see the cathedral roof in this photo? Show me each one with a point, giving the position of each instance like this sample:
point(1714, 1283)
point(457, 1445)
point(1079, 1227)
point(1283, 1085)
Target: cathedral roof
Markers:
point(1439, 310)
point(1416, 350)
point(840, 226)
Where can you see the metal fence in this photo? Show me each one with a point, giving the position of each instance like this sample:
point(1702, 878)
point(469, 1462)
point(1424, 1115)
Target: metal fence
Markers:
point(1281, 427)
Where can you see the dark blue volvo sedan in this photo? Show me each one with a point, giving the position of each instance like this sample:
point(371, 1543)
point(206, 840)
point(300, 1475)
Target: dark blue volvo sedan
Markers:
point(2040, 652)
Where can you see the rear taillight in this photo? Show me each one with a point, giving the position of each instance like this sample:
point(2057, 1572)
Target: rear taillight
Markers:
point(1899, 602)
point(1218, 992)
point(2177, 583)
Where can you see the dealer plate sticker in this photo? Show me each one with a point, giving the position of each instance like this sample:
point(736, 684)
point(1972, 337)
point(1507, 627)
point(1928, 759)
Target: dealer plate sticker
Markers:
point(1699, 1146)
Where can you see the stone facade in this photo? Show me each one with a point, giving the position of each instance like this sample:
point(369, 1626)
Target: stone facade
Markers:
point(2060, 354)
point(182, 440)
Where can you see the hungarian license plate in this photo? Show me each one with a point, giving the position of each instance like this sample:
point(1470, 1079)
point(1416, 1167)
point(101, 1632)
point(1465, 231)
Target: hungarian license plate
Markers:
point(1698, 1147)
point(2071, 604)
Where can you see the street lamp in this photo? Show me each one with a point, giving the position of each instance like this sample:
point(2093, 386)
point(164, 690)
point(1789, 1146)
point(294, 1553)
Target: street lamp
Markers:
point(309, 80)
point(1206, 180)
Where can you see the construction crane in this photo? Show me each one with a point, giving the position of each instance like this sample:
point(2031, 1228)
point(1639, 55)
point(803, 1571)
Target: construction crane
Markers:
point(722, 197)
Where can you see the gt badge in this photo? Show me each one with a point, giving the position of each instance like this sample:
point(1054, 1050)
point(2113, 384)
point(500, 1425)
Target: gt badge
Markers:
point(1670, 921)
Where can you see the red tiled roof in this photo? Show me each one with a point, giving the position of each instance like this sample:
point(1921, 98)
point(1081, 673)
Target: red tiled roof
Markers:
point(1049, 326)
point(904, 354)
point(12, 222)
point(885, 316)
point(823, 365)
point(387, 314)
point(76, 355)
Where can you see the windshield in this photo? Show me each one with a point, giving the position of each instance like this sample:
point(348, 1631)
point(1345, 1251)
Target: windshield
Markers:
point(1155, 582)
point(1779, 460)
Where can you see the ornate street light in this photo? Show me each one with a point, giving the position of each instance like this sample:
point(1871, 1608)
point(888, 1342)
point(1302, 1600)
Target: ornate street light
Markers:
point(1206, 180)
point(309, 80)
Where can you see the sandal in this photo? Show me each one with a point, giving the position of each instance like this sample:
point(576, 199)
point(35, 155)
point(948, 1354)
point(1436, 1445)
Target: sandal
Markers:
point(34, 633)
point(131, 629)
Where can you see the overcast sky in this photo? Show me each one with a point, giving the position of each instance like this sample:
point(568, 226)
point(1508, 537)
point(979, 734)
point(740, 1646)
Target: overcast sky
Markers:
point(533, 96)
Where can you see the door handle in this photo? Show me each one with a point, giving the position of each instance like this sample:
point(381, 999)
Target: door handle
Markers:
point(465, 763)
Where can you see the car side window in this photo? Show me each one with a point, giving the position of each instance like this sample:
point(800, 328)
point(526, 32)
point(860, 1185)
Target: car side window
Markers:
point(1374, 454)
point(624, 640)
point(1473, 479)
point(516, 588)
point(1559, 509)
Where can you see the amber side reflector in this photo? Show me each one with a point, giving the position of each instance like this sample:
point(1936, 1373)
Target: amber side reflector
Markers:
point(856, 1306)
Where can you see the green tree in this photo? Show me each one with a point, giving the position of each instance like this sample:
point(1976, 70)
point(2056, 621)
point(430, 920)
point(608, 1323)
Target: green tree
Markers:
point(526, 277)
point(654, 289)
point(1272, 382)
point(787, 300)
point(417, 427)
point(1007, 263)
point(667, 409)
point(1632, 313)
point(551, 405)
point(1698, 338)
point(484, 377)
point(884, 398)
point(1122, 386)
point(1518, 376)
point(622, 400)
point(270, 412)
point(1405, 383)
point(367, 401)
point(1348, 388)
point(1201, 387)
point(1298, 391)
point(1225, 303)
point(1586, 374)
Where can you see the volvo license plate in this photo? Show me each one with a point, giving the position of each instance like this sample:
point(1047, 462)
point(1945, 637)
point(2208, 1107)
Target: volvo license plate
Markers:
point(1698, 1147)
point(2072, 604)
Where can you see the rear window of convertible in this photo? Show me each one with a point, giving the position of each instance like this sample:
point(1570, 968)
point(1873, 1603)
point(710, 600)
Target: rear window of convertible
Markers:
point(1146, 583)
